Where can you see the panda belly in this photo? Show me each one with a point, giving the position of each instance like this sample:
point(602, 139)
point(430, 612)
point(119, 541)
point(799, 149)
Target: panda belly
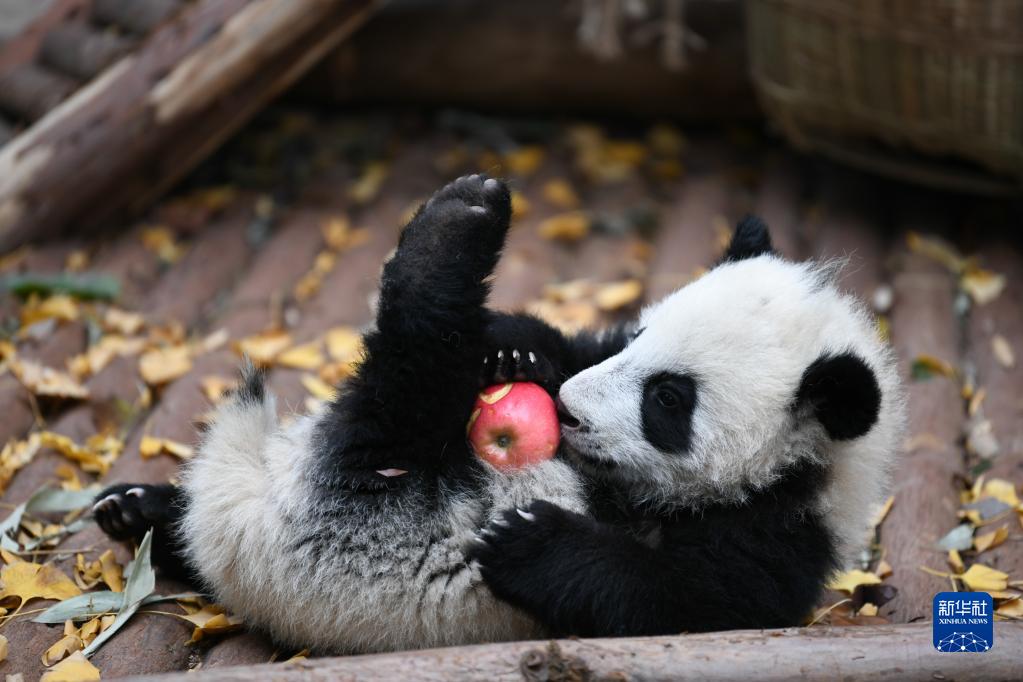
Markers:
point(335, 575)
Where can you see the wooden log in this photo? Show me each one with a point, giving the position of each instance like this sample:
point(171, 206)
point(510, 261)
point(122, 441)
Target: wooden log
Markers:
point(524, 57)
point(893, 653)
point(28, 91)
point(120, 142)
point(80, 50)
point(925, 482)
point(137, 17)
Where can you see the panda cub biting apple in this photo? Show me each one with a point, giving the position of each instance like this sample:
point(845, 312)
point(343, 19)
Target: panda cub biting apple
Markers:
point(719, 459)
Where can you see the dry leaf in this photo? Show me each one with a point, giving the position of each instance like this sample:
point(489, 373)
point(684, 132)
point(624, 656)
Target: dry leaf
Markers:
point(95, 456)
point(68, 477)
point(937, 250)
point(336, 233)
point(956, 561)
point(850, 580)
point(318, 388)
point(160, 240)
point(123, 322)
point(567, 227)
point(560, 193)
point(884, 569)
point(618, 295)
point(1001, 490)
point(210, 619)
point(216, 387)
point(100, 354)
point(573, 290)
point(981, 439)
point(307, 356)
point(525, 160)
point(27, 581)
point(151, 447)
point(263, 348)
point(46, 381)
point(520, 206)
point(213, 341)
point(65, 646)
point(333, 373)
point(570, 317)
point(983, 286)
point(59, 307)
point(867, 609)
point(882, 512)
point(981, 578)
point(3, 648)
point(165, 364)
point(984, 542)
point(1003, 351)
point(76, 261)
point(344, 343)
point(1012, 609)
point(15, 455)
point(74, 668)
point(366, 188)
point(926, 365)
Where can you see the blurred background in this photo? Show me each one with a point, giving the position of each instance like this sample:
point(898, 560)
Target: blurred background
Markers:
point(185, 181)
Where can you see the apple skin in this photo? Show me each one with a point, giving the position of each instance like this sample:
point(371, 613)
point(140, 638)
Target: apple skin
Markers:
point(514, 426)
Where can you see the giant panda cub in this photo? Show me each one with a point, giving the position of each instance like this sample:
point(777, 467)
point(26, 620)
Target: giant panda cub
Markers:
point(721, 458)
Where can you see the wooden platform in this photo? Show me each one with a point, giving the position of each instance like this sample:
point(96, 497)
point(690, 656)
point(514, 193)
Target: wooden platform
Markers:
point(292, 174)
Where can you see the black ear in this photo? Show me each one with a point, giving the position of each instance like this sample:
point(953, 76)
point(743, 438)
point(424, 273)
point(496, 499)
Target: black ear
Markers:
point(844, 395)
point(751, 239)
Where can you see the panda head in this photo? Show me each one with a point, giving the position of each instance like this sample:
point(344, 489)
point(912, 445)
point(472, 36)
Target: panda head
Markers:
point(758, 365)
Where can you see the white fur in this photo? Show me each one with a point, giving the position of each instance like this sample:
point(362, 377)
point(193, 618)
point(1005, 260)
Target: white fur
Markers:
point(746, 331)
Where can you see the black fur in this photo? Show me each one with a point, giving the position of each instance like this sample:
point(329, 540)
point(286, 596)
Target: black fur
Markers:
point(843, 393)
point(751, 239)
point(639, 572)
point(669, 400)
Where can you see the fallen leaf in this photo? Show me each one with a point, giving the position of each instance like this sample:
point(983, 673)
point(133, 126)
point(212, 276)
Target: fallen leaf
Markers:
point(367, 187)
point(99, 355)
point(344, 343)
point(1003, 351)
point(3, 648)
point(956, 561)
point(1012, 609)
point(618, 295)
point(65, 646)
point(262, 349)
point(123, 322)
point(570, 317)
point(983, 286)
point(570, 291)
point(980, 438)
point(850, 580)
point(867, 609)
point(925, 366)
point(937, 250)
point(74, 668)
point(884, 569)
point(333, 373)
point(160, 240)
point(77, 260)
point(58, 307)
point(46, 381)
point(95, 456)
point(1000, 489)
point(15, 455)
point(306, 356)
point(981, 578)
point(165, 364)
point(984, 542)
point(560, 193)
point(566, 227)
point(882, 512)
point(520, 205)
point(318, 388)
point(525, 160)
point(151, 447)
point(210, 619)
point(216, 387)
point(28, 581)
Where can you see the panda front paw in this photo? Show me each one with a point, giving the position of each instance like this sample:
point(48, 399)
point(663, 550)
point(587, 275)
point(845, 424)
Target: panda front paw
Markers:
point(128, 511)
point(523, 553)
point(504, 365)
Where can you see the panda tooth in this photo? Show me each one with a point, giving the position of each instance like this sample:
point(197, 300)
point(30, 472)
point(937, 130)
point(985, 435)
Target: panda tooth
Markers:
point(391, 473)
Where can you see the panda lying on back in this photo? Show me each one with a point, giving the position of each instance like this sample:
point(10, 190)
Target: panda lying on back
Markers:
point(721, 459)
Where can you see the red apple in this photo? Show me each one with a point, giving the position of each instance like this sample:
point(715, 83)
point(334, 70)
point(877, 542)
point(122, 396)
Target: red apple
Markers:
point(514, 426)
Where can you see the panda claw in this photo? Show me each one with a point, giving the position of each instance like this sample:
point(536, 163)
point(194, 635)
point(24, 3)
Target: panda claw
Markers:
point(526, 515)
point(135, 492)
point(532, 357)
point(501, 523)
point(515, 355)
point(478, 209)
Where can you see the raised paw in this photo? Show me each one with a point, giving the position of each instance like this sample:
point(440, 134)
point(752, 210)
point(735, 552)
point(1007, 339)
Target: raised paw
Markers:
point(128, 511)
point(478, 192)
point(511, 364)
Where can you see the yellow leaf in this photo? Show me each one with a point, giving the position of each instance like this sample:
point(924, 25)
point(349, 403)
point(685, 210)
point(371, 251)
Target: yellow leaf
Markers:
point(983, 286)
point(123, 322)
point(336, 233)
point(981, 578)
point(307, 356)
point(333, 373)
point(524, 160)
point(366, 188)
point(58, 307)
point(984, 542)
point(956, 561)
point(317, 387)
point(1001, 490)
point(46, 381)
point(28, 581)
point(307, 286)
point(151, 447)
point(216, 387)
point(936, 250)
point(572, 290)
point(74, 668)
point(520, 205)
point(160, 240)
point(95, 456)
point(165, 364)
point(263, 348)
point(112, 572)
point(884, 569)
point(618, 295)
point(850, 580)
point(213, 341)
point(210, 620)
point(1002, 349)
point(933, 365)
point(68, 476)
point(15, 455)
point(76, 261)
point(1011, 609)
point(560, 193)
point(570, 317)
point(344, 343)
point(867, 609)
point(300, 656)
point(882, 512)
point(567, 227)
point(3, 648)
point(65, 646)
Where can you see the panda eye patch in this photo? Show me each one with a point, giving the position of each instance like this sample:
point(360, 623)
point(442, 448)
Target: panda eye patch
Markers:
point(667, 411)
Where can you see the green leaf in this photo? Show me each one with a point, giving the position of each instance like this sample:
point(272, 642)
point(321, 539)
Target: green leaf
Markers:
point(82, 286)
point(42, 501)
point(140, 584)
point(86, 606)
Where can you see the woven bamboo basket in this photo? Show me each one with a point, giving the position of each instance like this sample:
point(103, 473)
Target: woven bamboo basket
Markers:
point(876, 83)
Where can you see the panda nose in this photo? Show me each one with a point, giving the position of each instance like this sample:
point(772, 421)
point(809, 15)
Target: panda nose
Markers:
point(564, 416)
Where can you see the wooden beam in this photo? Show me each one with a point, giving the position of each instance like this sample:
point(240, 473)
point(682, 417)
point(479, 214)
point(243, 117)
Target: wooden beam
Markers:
point(897, 652)
point(143, 123)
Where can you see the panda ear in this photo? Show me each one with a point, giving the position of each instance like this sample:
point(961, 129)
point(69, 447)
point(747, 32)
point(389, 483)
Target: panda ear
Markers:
point(843, 393)
point(750, 239)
